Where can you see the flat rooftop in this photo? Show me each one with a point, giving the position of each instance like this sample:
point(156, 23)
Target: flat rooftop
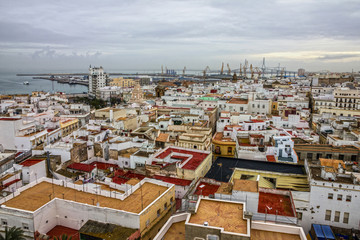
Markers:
point(226, 215)
point(196, 158)
point(275, 204)
point(59, 230)
point(176, 231)
point(37, 196)
point(245, 185)
point(222, 169)
point(268, 235)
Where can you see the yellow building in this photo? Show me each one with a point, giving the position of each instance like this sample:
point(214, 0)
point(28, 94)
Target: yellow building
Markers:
point(223, 146)
point(274, 108)
point(110, 113)
point(123, 82)
point(69, 125)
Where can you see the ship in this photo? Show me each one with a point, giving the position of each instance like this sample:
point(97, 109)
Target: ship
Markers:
point(26, 83)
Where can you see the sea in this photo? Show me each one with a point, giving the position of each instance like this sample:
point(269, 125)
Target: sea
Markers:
point(12, 84)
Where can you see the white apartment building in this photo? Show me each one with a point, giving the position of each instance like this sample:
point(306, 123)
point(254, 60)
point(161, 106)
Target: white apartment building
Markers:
point(97, 79)
point(347, 98)
point(334, 195)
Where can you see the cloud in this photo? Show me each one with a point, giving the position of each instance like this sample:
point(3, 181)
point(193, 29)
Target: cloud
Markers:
point(339, 56)
point(193, 33)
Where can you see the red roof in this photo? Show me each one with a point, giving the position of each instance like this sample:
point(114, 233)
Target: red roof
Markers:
point(30, 162)
point(121, 176)
point(256, 136)
point(9, 119)
point(104, 166)
point(11, 183)
point(270, 158)
point(271, 203)
point(58, 231)
point(176, 181)
point(256, 120)
point(196, 159)
point(81, 167)
point(205, 189)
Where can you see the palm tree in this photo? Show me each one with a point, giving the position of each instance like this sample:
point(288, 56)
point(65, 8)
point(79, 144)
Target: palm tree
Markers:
point(62, 237)
point(13, 233)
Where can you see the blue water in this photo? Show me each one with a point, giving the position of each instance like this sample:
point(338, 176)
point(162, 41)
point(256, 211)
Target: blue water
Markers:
point(12, 84)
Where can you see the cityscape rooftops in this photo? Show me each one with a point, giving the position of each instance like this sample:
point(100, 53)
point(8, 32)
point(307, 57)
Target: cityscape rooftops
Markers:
point(34, 197)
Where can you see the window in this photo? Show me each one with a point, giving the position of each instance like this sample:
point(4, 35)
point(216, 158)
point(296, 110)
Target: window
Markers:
point(165, 206)
point(339, 197)
point(309, 156)
point(330, 196)
point(318, 155)
point(327, 215)
point(25, 226)
point(328, 156)
point(4, 222)
point(348, 198)
point(299, 216)
point(171, 200)
point(195, 147)
point(346, 217)
point(337, 216)
point(341, 157)
point(212, 237)
point(217, 150)
point(158, 212)
point(148, 222)
point(229, 150)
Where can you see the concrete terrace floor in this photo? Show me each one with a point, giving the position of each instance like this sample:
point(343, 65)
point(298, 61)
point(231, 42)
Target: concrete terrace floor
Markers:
point(176, 231)
point(35, 197)
point(225, 215)
point(268, 235)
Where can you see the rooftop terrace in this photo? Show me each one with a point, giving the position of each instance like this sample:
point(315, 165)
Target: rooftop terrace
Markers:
point(222, 214)
point(176, 231)
point(37, 196)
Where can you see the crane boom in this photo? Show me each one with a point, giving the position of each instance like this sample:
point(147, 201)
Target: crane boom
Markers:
point(222, 69)
point(229, 70)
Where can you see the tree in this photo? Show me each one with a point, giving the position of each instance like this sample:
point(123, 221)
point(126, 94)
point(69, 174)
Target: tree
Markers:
point(13, 233)
point(63, 237)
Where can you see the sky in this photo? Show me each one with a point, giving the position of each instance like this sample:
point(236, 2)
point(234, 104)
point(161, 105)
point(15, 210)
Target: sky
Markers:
point(49, 35)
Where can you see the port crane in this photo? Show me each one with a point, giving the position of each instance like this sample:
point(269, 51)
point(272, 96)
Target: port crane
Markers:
point(258, 71)
point(246, 64)
point(222, 69)
point(184, 71)
point(204, 72)
point(252, 71)
point(229, 70)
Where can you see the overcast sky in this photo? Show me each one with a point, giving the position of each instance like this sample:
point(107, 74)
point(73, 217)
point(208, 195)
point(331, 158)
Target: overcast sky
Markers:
point(44, 35)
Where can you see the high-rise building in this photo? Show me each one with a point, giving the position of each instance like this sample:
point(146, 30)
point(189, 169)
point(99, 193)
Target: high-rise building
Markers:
point(97, 79)
point(301, 72)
